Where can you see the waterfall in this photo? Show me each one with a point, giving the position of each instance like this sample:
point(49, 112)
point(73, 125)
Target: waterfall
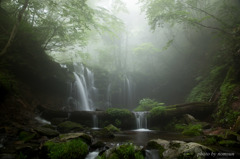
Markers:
point(109, 95)
point(81, 94)
point(141, 120)
point(127, 92)
point(95, 121)
point(83, 91)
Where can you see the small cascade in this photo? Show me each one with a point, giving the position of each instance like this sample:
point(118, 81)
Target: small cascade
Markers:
point(152, 154)
point(109, 104)
point(92, 155)
point(95, 122)
point(141, 120)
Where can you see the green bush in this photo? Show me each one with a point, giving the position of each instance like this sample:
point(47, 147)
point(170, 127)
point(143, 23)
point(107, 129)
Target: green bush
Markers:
point(26, 136)
point(112, 128)
point(157, 111)
point(190, 130)
point(118, 113)
point(127, 151)
point(147, 104)
point(72, 149)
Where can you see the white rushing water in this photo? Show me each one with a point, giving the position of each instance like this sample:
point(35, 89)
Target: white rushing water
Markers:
point(81, 94)
point(95, 122)
point(92, 155)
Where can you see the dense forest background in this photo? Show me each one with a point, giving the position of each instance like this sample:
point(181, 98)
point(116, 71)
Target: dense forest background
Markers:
point(173, 52)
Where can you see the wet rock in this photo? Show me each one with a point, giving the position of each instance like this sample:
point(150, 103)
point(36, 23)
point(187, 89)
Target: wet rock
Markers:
point(69, 126)
point(98, 145)
point(104, 133)
point(189, 119)
point(46, 131)
point(69, 136)
point(180, 149)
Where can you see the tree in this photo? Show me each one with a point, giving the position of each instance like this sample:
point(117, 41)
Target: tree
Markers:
point(15, 27)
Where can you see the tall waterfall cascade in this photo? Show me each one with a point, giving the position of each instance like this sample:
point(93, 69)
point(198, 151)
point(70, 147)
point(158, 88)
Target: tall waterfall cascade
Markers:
point(83, 92)
point(141, 120)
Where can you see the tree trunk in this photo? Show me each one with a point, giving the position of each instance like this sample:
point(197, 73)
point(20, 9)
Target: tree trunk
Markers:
point(15, 27)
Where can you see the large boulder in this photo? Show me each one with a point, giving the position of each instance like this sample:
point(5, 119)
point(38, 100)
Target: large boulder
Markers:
point(68, 126)
point(179, 149)
point(46, 131)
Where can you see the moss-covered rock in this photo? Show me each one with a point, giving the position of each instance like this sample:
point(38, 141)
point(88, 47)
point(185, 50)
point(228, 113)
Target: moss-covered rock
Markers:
point(179, 149)
point(72, 149)
point(46, 131)
point(112, 128)
point(69, 126)
point(69, 136)
point(126, 151)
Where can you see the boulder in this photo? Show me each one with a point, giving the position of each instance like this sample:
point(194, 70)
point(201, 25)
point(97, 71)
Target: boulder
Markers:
point(189, 119)
point(180, 149)
point(69, 136)
point(46, 131)
point(68, 126)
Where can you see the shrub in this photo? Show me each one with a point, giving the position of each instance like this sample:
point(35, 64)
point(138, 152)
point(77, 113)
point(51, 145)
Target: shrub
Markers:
point(112, 128)
point(72, 149)
point(157, 111)
point(127, 151)
point(26, 136)
point(118, 113)
point(190, 130)
point(147, 104)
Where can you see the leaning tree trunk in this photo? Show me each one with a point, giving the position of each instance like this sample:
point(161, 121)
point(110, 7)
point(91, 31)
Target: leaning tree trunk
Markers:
point(15, 27)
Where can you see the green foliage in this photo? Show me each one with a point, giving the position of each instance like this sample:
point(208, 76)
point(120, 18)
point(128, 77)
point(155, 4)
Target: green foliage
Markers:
point(155, 145)
point(210, 140)
point(147, 104)
point(68, 126)
point(72, 149)
point(189, 130)
point(227, 143)
point(157, 111)
point(225, 115)
point(127, 151)
point(118, 113)
point(206, 88)
point(26, 136)
point(112, 128)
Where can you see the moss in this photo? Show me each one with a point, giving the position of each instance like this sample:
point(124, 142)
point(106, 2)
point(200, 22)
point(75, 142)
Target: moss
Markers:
point(119, 117)
point(206, 87)
point(127, 151)
point(26, 136)
point(157, 111)
point(112, 128)
point(118, 113)
point(72, 149)
point(227, 143)
point(225, 116)
point(211, 140)
point(68, 126)
point(147, 104)
point(189, 130)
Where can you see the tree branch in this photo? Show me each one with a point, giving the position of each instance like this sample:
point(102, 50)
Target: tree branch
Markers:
point(15, 27)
